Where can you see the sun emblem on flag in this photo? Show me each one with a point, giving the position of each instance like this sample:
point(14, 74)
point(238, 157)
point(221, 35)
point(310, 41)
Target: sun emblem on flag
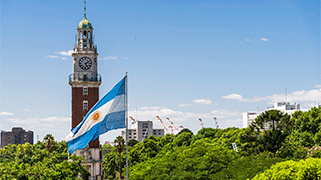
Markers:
point(96, 116)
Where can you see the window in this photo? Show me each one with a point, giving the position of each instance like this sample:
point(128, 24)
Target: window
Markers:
point(85, 104)
point(85, 90)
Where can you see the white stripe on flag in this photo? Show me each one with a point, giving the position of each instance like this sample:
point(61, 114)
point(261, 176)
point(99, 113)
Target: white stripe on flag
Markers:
point(114, 105)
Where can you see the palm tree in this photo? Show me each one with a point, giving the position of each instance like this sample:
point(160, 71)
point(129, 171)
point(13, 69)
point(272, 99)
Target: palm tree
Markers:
point(48, 138)
point(120, 146)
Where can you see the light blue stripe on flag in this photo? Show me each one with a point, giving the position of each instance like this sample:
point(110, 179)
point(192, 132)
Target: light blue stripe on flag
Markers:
point(107, 114)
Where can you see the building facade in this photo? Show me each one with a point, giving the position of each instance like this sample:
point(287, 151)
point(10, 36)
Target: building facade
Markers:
point(16, 136)
point(141, 130)
point(85, 82)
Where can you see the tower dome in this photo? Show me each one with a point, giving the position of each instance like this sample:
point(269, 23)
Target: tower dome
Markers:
point(85, 24)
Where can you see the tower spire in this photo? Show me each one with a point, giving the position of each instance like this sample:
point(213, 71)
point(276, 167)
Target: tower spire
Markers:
point(85, 9)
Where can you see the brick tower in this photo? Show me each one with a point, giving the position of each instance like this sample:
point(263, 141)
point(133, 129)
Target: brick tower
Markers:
point(84, 82)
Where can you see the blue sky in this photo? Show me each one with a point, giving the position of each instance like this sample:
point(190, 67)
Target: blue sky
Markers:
point(186, 59)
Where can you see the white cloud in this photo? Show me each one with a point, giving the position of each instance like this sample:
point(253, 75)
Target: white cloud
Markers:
point(175, 116)
point(58, 126)
point(51, 56)
point(185, 105)
point(248, 40)
point(202, 101)
point(56, 119)
point(52, 120)
point(264, 39)
point(234, 97)
point(225, 113)
point(65, 53)
point(109, 58)
point(148, 108)
point(29, 121)
point(318, 86)
point(295, 96)
point(63, 58)
point(5, 113)
point(225, 118)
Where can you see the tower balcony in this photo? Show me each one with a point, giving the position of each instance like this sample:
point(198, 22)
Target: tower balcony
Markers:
point(96, 81)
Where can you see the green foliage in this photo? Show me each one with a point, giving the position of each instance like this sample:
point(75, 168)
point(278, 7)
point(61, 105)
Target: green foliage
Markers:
point(183, 139)
point(106, 148)
point(185, 130)
point(132, 142)
point(308, 169)
point(275, 119)
point(209, 153)
point(198, 161)
point(32, 162)
point(247, 167)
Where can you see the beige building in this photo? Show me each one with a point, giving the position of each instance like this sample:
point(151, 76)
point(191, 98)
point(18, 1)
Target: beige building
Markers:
point(141, 130)
point(16, 136)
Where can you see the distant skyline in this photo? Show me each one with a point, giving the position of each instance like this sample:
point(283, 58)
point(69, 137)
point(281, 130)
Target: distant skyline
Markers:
point(185, 59)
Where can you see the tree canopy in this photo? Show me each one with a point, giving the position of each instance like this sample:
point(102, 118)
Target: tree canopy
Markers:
point(32, 162)
point(209, 153)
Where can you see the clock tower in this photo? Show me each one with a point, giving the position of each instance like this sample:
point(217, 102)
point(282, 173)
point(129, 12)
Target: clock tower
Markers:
point(84, 82)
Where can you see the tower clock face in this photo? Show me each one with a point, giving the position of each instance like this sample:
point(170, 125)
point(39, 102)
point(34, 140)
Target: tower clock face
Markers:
point(85, 63)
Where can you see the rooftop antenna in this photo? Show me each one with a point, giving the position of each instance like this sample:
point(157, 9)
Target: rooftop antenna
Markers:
point(85, 9)
point(286, 96)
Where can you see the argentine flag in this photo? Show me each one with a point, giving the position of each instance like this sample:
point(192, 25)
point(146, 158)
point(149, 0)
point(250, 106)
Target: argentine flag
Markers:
point(107, 114)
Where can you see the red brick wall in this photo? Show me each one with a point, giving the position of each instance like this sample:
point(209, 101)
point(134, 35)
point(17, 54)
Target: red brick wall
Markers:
point(77, 112)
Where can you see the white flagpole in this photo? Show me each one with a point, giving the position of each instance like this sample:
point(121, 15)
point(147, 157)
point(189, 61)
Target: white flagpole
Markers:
point(126, 119)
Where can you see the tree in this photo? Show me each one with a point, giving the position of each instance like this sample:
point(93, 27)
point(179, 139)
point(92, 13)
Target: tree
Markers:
point(48, 138)
point(31, 162)
point(120, 144)
point(296, 170)
point(184, 130)
point(271, 117)
point(106, 148)
point(183, 139)
point(247, 167)
point(132, 142)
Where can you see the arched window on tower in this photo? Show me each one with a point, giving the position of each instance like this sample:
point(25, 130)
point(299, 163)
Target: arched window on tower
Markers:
point(84, 38)
point(85, 78)
point(89, 37)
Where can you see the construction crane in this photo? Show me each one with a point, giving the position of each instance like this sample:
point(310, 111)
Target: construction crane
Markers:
point(202, 124)
point(171, 123)
point(216, 124)
point(171, 129)
point(133, 120)
point(162, 124)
